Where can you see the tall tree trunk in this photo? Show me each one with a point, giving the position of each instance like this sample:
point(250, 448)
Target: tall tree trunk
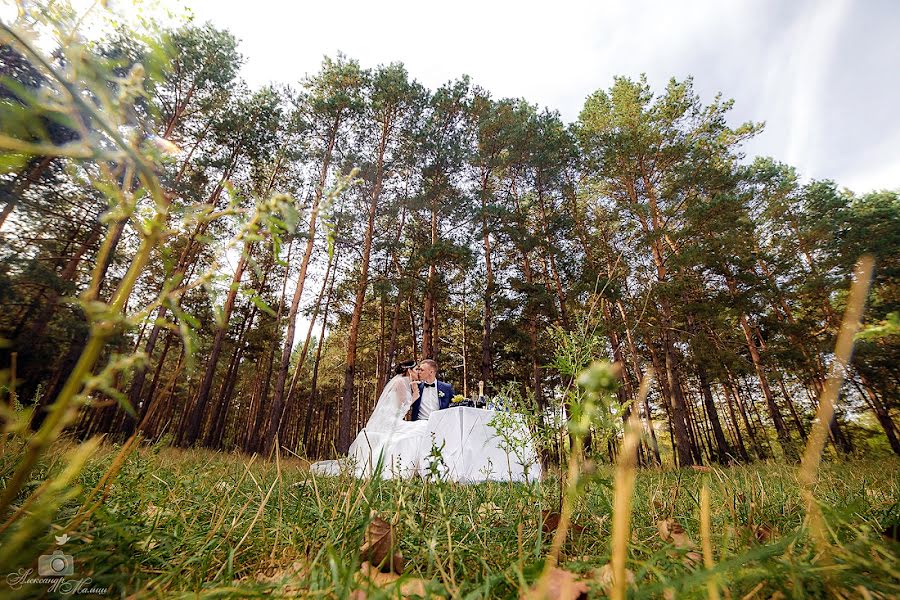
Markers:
point(666, 396)
point(219, 415)
point(742, 448)
point(198, 411)
point(656, 229)
point(733, 390)
point(784, 437)
point(312, 324)
point(274, 423)
point(185, 260)
point(259, 399)
point(551, 257)
point(21, 185)
point(679, 414)
point(693, 426)
point(722, 446)
point(531, 316)
point(150, 423)
point(487, 359)
point(639, 375)
point(149, 400)
point(391, 352)
point(429, 306)
point(791, 407)
point(412, 319)
point(881, 413)
point(314, 382)
point(353, 332)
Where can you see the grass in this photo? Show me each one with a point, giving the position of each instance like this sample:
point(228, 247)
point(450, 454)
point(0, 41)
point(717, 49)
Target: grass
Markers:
point(193, 524)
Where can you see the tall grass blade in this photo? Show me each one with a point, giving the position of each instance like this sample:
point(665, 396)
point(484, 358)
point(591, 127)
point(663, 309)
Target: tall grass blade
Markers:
point(622, 492)
point(812, 455)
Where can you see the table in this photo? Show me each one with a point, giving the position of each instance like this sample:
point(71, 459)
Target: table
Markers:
point(473, 451)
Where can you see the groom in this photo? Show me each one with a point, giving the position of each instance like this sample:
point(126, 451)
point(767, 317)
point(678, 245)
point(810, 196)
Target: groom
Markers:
point(434, 395)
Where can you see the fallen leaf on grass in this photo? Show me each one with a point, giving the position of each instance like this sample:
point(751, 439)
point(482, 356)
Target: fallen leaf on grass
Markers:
point(764, 533)
point(693, 558)
point(550, 523)
point(600, 521)
point(287, 579)
point(701, 468)
point(560, 585)
point(378, 546)
point(295, 569)
point(488, 511)
point(604, 576)
point(671, 531)
point(371, 577)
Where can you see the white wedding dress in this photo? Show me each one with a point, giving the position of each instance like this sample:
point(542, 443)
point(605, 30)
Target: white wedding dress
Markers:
point(386, 439)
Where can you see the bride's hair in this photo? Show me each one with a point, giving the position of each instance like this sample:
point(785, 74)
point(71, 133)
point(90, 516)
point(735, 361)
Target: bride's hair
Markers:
point(404, 366)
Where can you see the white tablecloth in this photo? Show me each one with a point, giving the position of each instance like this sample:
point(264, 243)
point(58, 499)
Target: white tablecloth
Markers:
point(474, 452)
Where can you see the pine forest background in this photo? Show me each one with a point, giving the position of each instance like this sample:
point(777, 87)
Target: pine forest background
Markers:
point(442, 223)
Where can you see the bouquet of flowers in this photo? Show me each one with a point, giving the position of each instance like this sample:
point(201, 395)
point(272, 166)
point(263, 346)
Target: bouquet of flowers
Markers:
point(460, 400)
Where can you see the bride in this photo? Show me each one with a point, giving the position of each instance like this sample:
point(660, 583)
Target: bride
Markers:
point(386, 439)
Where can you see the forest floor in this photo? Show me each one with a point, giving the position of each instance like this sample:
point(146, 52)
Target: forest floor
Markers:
point(198, 524)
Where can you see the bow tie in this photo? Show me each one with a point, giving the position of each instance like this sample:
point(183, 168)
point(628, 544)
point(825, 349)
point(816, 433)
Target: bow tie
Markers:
point(430, 384)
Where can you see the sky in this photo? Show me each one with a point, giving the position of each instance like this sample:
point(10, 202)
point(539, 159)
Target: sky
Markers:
point(824, 75)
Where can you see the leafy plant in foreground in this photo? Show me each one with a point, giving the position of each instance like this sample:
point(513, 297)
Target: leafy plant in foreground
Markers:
point(123, 162)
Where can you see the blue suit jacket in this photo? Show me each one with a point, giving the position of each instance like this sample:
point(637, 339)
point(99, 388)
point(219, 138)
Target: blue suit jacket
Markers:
point(443, 400)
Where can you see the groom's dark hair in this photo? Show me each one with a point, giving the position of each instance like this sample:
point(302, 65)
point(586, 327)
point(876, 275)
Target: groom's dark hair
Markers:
point(404, 366)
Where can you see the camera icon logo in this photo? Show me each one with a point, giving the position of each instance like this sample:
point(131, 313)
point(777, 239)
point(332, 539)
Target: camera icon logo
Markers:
point(58, 564)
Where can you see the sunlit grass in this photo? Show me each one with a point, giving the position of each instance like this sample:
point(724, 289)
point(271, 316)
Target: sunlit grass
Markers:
point(185, 522)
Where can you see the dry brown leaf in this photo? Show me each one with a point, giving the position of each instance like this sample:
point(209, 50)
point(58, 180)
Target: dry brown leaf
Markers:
point(764, 533)
point(561, 585)
point(693, 558)
point(600, 521)
point(701, 468)
point(550, 523)
point(378, 546)
point(663, 528)
point(671, 530)
point(490, 513)
point(372, 577)
point(287, 579)
point(604, 576)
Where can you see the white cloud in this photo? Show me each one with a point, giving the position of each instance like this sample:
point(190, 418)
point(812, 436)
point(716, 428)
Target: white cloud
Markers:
point(823, 74)
point(809, 46)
